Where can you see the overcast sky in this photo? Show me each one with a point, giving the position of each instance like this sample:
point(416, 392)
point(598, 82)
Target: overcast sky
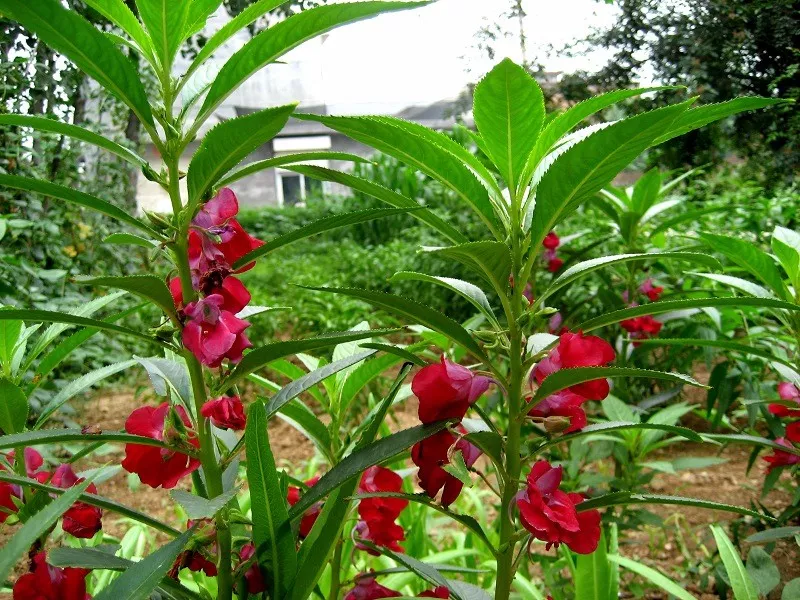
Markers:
point(423, 55)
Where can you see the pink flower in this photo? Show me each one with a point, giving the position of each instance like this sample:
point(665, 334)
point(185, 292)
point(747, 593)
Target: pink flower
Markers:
point(218, 210)
point(225, 412)
point(11, 494)
point(562, 404)
point(431, 454)
point(368, 589)
point(213, 334)
point(550, 514)
point(555, 322)
point(158, 467)
point(446, 390)
point(377, 515)
point(309, 517)
point(51, 583)
point(253, 577)
point(551, 241)
point(651, 291)
point(578, 350)
point(235, 295)
point(790, 393)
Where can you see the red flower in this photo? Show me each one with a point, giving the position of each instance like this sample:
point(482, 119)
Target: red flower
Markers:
point(779, 458)
point(562, 404)
point(225, 412)
point(551, 241)
point(446, 390)
point(550, 515)
point(235, 295)
point(369, 589)
point(51, 583)
point(377, 515)
point(194, 561)
point(310, 516)
point(212, 333)
point(10, 492)
point(438, 592)
point(238, 244)
point(254, 578)
point(554, 264)
point(642, 327)
point(790, 393)
point(158, 466)
point(578, 350)
point(81, 520)
point(651, 291)
point(431, 454)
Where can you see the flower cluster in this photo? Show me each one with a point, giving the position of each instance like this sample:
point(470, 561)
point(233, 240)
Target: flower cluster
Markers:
point(445, 391)
point(644, 327)
point(44, 582)
point(377, 515)
point(225, 412)
point(563, 410)
point(551, 243)
point(791, 439)
point(161, 467)
point(367, 588)
point(310, 516)
point(550, 514)
point(212, 331)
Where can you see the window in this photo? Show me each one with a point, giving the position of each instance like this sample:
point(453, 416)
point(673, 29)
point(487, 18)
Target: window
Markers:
point(294, 188)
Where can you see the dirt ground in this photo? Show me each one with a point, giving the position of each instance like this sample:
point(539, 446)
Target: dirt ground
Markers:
point(673, 549)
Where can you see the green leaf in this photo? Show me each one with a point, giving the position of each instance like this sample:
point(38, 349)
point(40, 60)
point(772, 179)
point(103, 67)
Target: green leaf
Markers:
point(593, 574)
point(385, 135)
point(753, 440)
point(363, 458)
point(259, 357)
point(129, 239)
point(791, 590)
point(585, 168)
point(414, 310)
point(149, 287)
point(726, 344)
point(76, 386)
point(320, 226)
point(383, 194)
point(426, 572)
point(169, 374)
point(299, 416)
point(580, 269)
point(403, 353)
point(491, 259)
point(741, 584)
point(750, 258)
point(197, 507)
point(655, 308)
point(269, 45)
point(36, 526)
point(93, 500)
point(66, 194)
point(289, 159)
point(165, 21)
point(118, 13)
point(770, 535)
point(272, 531)
point(610, 426)
point(47, 316)
point(10, 332)
point(199, 11)
point(53, 436)
point(565, 378)
point(563, 123)
point(746, 286)
point(703, 115)
point(470, 292)
point(13, 407)
point(653, 576)
point(786, 246)
point(509, 112)
point(70, 34)
point(230, 142)
point(625, 498)
point(762, 570)
point(78, 133)
point(139, 580)
point(691, 215)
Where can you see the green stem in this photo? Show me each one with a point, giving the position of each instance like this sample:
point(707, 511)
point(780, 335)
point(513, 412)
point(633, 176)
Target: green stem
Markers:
point(336, 568)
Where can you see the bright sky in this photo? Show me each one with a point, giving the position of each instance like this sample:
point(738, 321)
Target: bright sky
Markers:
point(422, 55)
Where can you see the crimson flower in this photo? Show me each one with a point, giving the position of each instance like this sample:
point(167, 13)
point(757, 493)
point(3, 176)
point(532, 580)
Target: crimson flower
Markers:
point(81, 520)
point(225, 412)
point(431, 454)
point(562, 404)
point(51, 583)
point(578, 350)
point(212, 333)
point(235, 295)
point(554, 264)
point(158, 467)
point(550, 514)
point(253, 577)
point(368, 589)
point(10, 492)
point(446, 390)
point(652, 292)
point(641, 328)
point(551, 241)
point(789, 392)
point(377, 515)
point(194, 561)
point(779, 458)
point(437, 592)
point(310, 516)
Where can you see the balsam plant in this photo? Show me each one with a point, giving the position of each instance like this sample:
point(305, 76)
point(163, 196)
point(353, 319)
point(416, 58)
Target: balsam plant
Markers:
point(284, 544)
